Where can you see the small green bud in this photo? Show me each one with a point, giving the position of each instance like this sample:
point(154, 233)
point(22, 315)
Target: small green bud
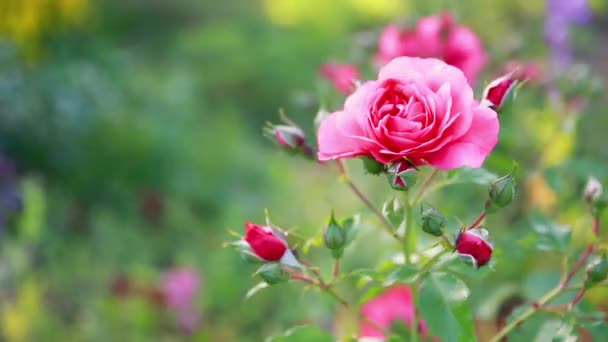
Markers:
point(432, 222)
point(334, 235)
point(502, 192)
point(597, 272)
point(273, 273)
point(372, 165)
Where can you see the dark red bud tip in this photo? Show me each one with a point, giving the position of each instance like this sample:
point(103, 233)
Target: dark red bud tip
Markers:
point(497, 91)
point(289, 136)
point(264, 243)
point(473, 243)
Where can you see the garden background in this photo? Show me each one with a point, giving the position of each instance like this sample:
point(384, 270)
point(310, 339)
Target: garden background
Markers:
point(131, 143)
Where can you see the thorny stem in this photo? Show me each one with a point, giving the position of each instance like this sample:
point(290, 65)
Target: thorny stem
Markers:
point(562, 286)
point(478, 221)
point(327, 288)
point(407, 243)
point(424, 186)
point(336, 270)
point(385, 223)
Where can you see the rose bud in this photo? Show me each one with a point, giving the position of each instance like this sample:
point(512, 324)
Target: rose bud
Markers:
point(597, 272)
point(402, 175)
point(593, 190)
point(432, 222)
point(273, 273)
point(264, 243)
point(474, 244)
point(498, 91)
point(334, 235)
point(501, 193)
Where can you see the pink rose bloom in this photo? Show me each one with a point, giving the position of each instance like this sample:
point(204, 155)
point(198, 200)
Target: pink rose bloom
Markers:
point(435, 36)
point(343, 76)
point(180, 287)
point(394, 304)
point(418, 109)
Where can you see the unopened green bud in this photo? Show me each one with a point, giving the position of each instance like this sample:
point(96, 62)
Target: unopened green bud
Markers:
point(597, 272)
point(432, 222)
point(273, 273)
point(334, 235)
point(502, 192)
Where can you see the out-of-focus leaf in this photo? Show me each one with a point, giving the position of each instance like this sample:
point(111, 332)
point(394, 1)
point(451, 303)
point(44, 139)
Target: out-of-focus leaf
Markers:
point(304, 333)
point(467, 175)
point(552, 236)
point(443, 303)
point(34, 211)
point(371, 293)
point(403, 274)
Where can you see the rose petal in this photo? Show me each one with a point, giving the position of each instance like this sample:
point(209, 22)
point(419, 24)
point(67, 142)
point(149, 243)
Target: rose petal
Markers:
point(472, 148)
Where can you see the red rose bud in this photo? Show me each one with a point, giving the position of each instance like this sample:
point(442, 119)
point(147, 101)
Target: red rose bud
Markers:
point(497, 92)
point(473, 243)
point(289, 136)
point(264, 243)
point(402, 175)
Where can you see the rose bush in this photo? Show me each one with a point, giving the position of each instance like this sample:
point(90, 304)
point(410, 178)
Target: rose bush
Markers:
point(419, 109)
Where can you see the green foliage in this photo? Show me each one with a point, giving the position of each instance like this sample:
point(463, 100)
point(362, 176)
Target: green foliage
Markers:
point(443, 303)
point(303, 333)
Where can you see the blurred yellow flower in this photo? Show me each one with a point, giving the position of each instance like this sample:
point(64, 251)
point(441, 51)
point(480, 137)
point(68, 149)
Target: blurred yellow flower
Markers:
point(558, 149)
point(298, 12)
point(539, 194)
point(17, 316)
point(380, 9)
point(25, 21)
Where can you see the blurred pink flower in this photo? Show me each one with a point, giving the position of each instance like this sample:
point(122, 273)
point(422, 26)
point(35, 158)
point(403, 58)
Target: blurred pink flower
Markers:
point(392, 305)
point(435, 36)
point(343, 76)
point(180, 287)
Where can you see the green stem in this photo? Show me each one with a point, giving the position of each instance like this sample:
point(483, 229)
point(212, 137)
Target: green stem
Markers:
point(424, 186)
point(527, 314)
point(408, 235)
point(414, 327)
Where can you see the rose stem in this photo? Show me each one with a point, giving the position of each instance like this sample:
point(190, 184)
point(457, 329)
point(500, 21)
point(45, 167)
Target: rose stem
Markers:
point(329, 290)
point(407, 237)
point(478, 221)
point(336, 270)
point(385, 224)
point(563, 285)
point(424, 186)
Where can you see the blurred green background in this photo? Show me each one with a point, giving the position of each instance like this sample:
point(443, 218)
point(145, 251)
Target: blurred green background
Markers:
point(134, 127)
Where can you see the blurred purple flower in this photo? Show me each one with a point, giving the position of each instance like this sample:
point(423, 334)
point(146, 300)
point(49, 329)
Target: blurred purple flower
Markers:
point(10, 195)
point(561, 14)
point(180, 287)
